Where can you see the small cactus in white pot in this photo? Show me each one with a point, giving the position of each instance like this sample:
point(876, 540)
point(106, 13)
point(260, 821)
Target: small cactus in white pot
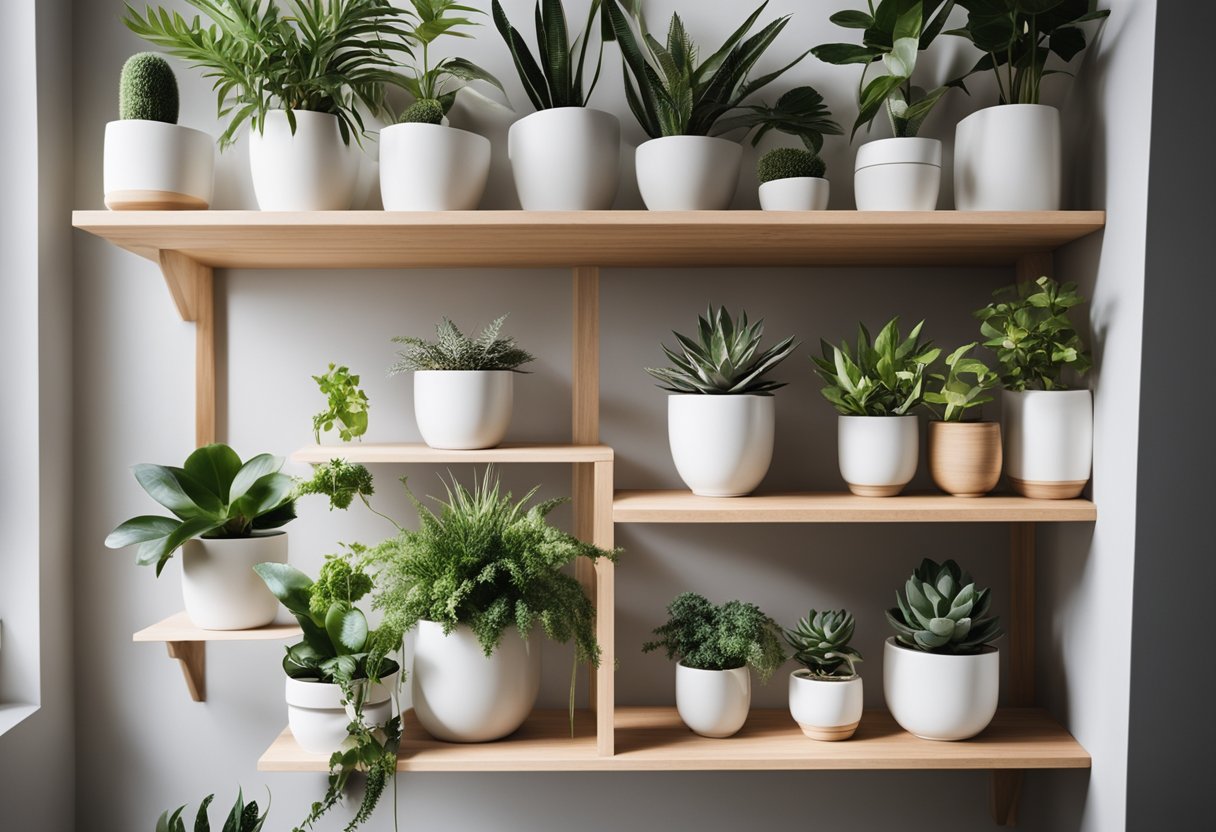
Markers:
point(791, 179)
point(826, 693)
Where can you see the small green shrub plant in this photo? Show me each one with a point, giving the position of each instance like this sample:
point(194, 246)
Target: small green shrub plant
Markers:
point(940, 610)
point(883, 376)
point(707, 636)
point(1029, 329)
point(243, 817)
point(554, 77)
point(453, 350)
point(434, 83)
point(789, 163)
point(820, 643)
point(147, 89)
point(966, 385)
point(346, 404)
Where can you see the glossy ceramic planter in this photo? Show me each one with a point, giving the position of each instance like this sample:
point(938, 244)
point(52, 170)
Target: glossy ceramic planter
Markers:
point(877, 454)
point(318, 719)
point(940, 697)
point(825, 709)
point(902, 174)
point(799, 193)
point(722, 445)
point(1008, 158)
point(713, 703)
point(566, 159)
point(310, 170)
point(688, 173)
point(220, 589)
point(1048, 441)
point(430, 167)
point(463, 409)
point(154, 166)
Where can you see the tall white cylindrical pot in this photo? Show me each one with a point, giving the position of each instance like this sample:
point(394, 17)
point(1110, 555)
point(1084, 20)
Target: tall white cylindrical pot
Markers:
point(825, 709)
point(878, 454)
point(318, 719)
point(1008, 158)
point(310, 170)
point(1048, 441)
point(154, 166)
point(797, 193)
point(566, 159)
point(722, 445)
point(688, 173)
point(430, 167)
point(902, 174)
point(461, 695)
point(463, 409)
point(220, 589)
point(940, 697)
point(713, 703)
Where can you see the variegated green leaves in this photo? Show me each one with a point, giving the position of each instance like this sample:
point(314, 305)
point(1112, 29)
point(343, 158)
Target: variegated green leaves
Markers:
point(942, 611)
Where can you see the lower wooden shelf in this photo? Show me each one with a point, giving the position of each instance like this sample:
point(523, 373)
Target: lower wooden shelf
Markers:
point(371, 453)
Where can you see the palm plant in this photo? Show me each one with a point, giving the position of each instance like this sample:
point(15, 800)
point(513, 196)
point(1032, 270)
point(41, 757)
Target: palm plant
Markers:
point(556, 79)
point(439, 82)
point(884, 376)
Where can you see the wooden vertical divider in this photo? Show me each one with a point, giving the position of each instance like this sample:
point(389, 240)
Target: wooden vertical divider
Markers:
point(192, 286)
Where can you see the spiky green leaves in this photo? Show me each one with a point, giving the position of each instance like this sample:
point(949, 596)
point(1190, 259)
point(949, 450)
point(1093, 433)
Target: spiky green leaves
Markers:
point(725, 358)
point(453, 350)
point(148, 89)
point(441, 80)
point(1028, 327)
point(881, 377)
point(789, 163)
point(554, 77)
point(425, 111)
point(821, 644)
point(942, 611)
point(708, 636)
point(964, 386)
point(242, 817)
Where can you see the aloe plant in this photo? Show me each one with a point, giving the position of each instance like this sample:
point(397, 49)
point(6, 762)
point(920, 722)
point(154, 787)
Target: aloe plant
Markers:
point(942, 611)
point(881, 377)
point(821, 644)
point(554, 78)
point(957, 394)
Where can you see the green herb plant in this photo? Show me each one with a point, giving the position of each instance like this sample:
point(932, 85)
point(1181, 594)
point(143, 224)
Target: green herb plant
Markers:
point(147, 89)
point(554, 77)
point(967, 384)
point(243, 817)
point(347, 405)
point(1028, 327)
point(942, 611)
point(884, 376)
point(453, 350)
point(436, 83)
point(821, 644)
point(706, 636)
point(789, 163)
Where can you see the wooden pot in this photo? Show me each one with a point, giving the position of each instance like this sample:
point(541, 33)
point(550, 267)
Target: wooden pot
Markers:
point(965, 457)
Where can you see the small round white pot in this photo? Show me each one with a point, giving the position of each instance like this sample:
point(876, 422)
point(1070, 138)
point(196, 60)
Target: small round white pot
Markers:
point(463, 410)
point(460, 695)
point(878, 454)
point(721, 445)
point(799, 193)
point(1007, 158)
point(154, 166)
point(902, 174)
point(430, 167)
point(940, 697)
point(688, 173)
point(1048, 441)
point(713, 703)
point(318, 719)
point(825, 709)
point(219, 586)
point(566, 159)
point(312, 170)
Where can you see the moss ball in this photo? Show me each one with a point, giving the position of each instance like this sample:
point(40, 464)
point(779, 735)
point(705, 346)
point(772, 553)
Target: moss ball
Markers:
point(148, 89)
point(789, 163)
point(424, 111)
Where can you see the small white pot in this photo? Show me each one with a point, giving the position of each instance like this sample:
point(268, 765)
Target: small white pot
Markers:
point(825, 709)
point(312, 170)
point(566, 159)
point(721, 445)
point(940, 697)
point(318, 719)
point(154, 166)
point(1007, 158)
point(799, 193)
point(688, 173)
point(713, 703)
point(219, 586)
point(463, 410)
point(430, 167)
point(1048, 441)
point(902, 174)
point(878, 454)
point(460, 695)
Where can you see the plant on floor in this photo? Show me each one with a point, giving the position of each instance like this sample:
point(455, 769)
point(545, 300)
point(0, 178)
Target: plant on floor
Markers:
point(243, 817)
point(346, 404)
point(437, 83)
point(1028, 327)
point(966, 384)
point(453, 350)
point(707, 636)
point(884, 376)
point(147, 89)
point(821, 644)
point(942, 611)
point(556, 79)
point(789, 163)
point(725, 358)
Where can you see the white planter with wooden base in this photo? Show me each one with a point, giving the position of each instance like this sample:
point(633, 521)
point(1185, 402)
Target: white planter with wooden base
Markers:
point(797, 193)
point(965, 457)
point(155, 166)
point(566, 159)
point(825, 709)
point(1048, 441)
point(219, 586)
point(902, 174)
point(688, 173)
point(430, 167)
point(318, 719)
point(1007, 158)
point(463, 410)
point(878, 454)
point(722, 445)
point(309, 170)
point(937, 696)
point(713, 703)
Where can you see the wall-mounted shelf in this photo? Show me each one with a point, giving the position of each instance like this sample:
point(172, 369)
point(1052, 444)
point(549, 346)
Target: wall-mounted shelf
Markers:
point(370, 453)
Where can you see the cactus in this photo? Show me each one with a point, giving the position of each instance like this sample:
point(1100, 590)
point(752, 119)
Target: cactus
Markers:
point(789, 163)
point(148, 89)
point(821, 644)
point(941, 611)
point(423, 111)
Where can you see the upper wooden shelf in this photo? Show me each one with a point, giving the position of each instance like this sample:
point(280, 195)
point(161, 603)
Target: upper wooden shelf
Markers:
point(179, 627)
point(534, 239)
point(371, 452)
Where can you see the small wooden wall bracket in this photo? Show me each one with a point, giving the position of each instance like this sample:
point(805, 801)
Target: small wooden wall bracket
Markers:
point(192, 286)
point(193, 658)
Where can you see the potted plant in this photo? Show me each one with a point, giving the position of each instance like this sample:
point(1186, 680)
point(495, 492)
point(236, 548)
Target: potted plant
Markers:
point(721, 417)
point(875, 390)
point(964, 454)
point(902, 173)
point(825, 695)
point(565, 156)
point(346, 405)
point(480, 566)
point(463, 389)
point(242, 817)
point(791, 179)
point(298, 78)
point(940, 672)
point(1048, 427)
point(151, 163)
point(714, 647)
point(1008, 157)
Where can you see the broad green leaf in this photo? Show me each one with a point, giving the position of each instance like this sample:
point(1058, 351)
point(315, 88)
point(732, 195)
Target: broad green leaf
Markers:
point(141, 529)
point(347, 628)
point(255, 469)
point(164, 484)
point(214, 467)
point(288, 584)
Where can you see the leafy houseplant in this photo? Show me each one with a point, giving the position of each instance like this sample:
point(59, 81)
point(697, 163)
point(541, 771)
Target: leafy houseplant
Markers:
point(964, 455)
point(826, 694)
point(965, 385)
point(453, 350)
point(347, 404)
point(439, 82)
point(243, 817)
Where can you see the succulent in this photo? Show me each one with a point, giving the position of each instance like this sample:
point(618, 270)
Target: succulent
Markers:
point(789, 163)
point(821, 644)
point(883, 377)
point(422, 111)
point(1029, 329)
point(941, 611)
point(708, 636)
point(725, 359)
point(958, 395)
point(147, 89)
point(453, 350)
point(243, 817)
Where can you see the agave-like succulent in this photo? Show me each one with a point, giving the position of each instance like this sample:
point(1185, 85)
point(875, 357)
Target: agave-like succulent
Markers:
point(941, 611)
point(726, 358)
point(821, 644)
point(885, 376)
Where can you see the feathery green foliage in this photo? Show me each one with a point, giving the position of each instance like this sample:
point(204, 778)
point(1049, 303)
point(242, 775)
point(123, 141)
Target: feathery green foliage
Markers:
point(441, 80)
point(340, 481)
point(821, 644)
point(789, 163)
point(243, 817)
point(706, 636)
point(147, 89)
point(556, 80)
point(956, 394)
point(423, 111)
point(453, 350)
point(347, 404)
point(1029, 329)
point(885, 377)
point(942, 611)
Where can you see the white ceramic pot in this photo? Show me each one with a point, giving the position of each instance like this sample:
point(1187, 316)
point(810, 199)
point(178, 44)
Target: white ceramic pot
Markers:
point(940, 697)
point(688, 173)
point(463, 410)
point(460, 695)
point(318, 719)
point(798, 193)
point(312, 170)
point(1048, 441)
point(430, 167)
point(219, 586)
point(154, 166)
point(721, 445)
point(713, 703)
point(566, 159)
point(1007, 158)
point(825, 709)
point(898, 175)
point(878, 454)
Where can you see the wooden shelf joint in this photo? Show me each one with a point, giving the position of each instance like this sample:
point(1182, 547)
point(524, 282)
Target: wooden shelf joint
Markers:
point(193, 658)
point(192, 286)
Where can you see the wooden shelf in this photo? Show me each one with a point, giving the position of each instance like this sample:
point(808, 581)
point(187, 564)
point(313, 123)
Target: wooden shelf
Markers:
point(829, 507)
point(372, 453)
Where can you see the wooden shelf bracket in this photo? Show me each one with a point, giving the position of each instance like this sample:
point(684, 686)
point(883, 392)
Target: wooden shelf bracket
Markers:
point(193, 658)
point(192, 286)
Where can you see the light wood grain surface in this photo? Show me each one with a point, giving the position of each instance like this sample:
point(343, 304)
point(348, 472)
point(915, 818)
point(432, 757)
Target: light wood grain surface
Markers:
point(409, 452)
point(179, 627)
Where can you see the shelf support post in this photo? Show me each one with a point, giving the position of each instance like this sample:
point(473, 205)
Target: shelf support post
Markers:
point(192, 286)
point(193, 658)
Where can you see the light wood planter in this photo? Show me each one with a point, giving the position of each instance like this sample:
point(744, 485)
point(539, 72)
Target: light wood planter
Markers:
point(965, 457)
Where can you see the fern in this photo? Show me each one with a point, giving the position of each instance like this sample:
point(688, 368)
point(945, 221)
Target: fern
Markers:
point(453, 350)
